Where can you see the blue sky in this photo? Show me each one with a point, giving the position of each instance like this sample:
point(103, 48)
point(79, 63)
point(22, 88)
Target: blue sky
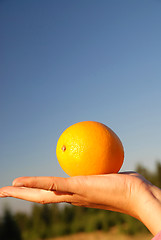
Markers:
point(68, 61)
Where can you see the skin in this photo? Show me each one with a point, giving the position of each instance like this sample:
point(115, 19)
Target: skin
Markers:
point(126, 192)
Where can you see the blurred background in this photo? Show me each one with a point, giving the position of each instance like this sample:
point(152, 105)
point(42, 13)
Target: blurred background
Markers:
point(68, 61)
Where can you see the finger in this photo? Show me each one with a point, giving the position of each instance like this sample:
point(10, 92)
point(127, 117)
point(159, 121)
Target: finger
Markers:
point(47, 183)
point(36, 195)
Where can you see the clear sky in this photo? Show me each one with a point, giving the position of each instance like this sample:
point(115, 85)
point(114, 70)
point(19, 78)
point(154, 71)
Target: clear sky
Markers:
point(62, 62)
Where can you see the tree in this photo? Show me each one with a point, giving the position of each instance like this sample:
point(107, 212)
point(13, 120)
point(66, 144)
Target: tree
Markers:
point(158, 173)
point(9, 227)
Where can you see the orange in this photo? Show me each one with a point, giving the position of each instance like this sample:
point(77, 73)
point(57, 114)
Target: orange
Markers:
point(89, 147)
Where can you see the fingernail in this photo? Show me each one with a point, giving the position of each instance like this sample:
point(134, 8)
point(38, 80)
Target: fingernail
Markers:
point(3, 194)
point(17, 184)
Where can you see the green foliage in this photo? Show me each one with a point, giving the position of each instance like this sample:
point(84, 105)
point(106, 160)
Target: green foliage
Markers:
point(153, 177)
point(132, 226)
point(9, 229)
point(51, 220)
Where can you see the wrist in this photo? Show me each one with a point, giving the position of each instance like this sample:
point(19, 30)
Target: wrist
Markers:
point(149, 208)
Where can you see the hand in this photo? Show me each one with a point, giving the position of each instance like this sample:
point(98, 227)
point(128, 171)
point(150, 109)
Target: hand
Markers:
point(127, 192)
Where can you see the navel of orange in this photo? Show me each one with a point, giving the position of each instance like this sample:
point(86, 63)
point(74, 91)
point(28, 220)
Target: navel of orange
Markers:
point(88, 148)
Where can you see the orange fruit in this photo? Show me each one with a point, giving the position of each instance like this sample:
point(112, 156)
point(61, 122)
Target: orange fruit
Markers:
point(89, 147)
